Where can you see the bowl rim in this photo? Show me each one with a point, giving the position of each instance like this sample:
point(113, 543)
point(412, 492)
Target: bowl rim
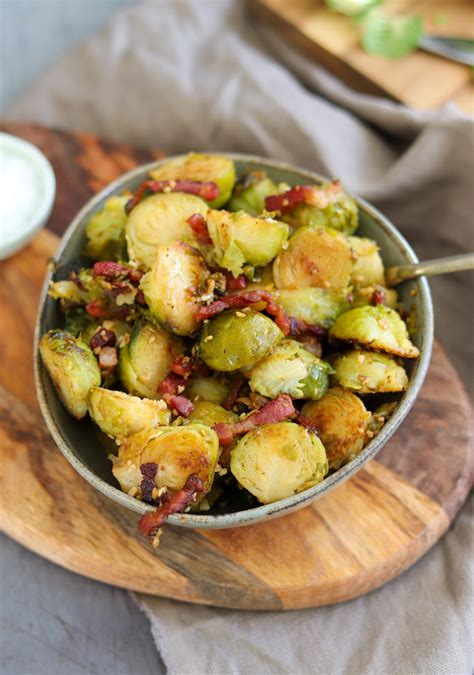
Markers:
point(296, 501)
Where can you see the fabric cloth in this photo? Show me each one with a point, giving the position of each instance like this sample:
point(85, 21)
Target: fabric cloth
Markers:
point(198, 75)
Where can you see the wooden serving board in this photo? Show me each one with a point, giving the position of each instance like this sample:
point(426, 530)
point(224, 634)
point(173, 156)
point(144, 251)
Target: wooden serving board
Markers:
point(420, 80)
point(351, 541)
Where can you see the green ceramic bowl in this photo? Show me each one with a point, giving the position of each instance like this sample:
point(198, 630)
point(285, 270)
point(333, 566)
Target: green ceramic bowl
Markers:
point(78, 441)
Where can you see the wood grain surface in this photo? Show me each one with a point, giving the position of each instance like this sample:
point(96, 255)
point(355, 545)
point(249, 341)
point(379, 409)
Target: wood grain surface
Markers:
point(420, 80)
point(351, 541)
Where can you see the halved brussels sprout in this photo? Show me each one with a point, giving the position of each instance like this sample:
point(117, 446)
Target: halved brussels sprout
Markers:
point(368, 269)
point(249, 195)
point(159, 220)
point(379, 418)
point(105, 231)
point(341, 215)
point(379, 328)
point(174, 286)
point(313, 305)
point(146, 359)
point(369, 372)
point(365, 296)
point(177, 452)
point(72, 367)
point(239, 239)
point(315, 257)
point(209, 414)
point(198, 167)
point(120, 415)
point(275, 461)
point(206, 389)
point(290, 369)
point(233, 340)
point(341, 420)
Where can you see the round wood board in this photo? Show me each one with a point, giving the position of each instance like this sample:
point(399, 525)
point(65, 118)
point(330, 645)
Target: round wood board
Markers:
point(349, 542)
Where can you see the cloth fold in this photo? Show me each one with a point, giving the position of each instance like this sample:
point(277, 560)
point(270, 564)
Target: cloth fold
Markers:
point(191, 75)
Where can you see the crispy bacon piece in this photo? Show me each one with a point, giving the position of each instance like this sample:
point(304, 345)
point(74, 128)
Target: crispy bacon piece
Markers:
point(172, 384)
point(301, 327)
point(150, 523)
point(100, 310)
point(378, 297)
point(181, 404)
point(307, 194)
point(307, 423)
point(148, 470)
point(206, 190)
point(233, 394)
point(275, 411)
point(235, 283)
point(102, 338)
point(108, 359)
point(199, 227)
point(183, 365)
point(111, 270)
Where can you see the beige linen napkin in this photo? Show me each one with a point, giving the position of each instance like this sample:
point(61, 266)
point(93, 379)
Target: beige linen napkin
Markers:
point(196, 75)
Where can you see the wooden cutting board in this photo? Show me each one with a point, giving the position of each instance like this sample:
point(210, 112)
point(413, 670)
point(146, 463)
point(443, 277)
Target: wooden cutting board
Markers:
point(420, 80)
point(351, 541)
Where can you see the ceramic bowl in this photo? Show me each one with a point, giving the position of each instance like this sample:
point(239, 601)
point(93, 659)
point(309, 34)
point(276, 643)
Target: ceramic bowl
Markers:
point(78, 441)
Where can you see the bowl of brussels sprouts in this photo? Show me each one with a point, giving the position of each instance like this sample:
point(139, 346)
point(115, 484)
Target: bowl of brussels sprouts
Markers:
point(216, 344)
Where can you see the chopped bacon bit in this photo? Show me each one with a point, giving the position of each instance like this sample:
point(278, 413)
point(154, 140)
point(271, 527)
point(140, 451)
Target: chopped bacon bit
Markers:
point(140, 298)
point(233, 394)
point(275, 411)
point(206, 190)
point(112, 270)
point(378, 297)
point(199, 227)
point(103, 338)
point(307, 194)
point(108, 358)
point(235, 283)
point(300, 327)
point(181, 404)
point(171, 384)
point(307, 423)
point(311, 343)
point(147, 485)
point(150, 523)
point(183, 365)
point(96, 308)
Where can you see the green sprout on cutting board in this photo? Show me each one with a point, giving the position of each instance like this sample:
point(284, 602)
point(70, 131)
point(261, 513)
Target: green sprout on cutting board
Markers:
point(382, 35)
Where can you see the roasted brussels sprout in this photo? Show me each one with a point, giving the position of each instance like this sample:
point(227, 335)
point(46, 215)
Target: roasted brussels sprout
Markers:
point(290, 369)
point(341, 214)
point(159, 220)
point(206, 389)
point(249, 195)
point(369, 372)
point(275, 461)
point(177, 453)
point(235, 340)
point(146, 359)
point(341, 420)
point(72, 367)
point(209, 413)
point(368, 267)
point(77, 320)
point(105, 231)
point(377, 328)
point(379, 418)
point(220, 170)
point(120, 415)
point(174, 286)
point(239, 239)
point(313, 305)
point(315, 257)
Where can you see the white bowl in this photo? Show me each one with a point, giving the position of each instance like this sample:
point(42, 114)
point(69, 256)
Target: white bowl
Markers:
point(28, 191)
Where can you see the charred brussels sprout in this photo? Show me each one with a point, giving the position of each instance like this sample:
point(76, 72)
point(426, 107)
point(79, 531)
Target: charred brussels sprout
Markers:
point(368, 267)
point(290, 369)
point(202, 168)
point(230, 341)
point(120, 415)
point(209, 414)
point(341, 214)
point(315, 257)
point(158, 220)
point(146, 359)
point(249, 195)
point(72, 367)
point(105, 231)
point(177, 453)
point(241, 239)
point(377, 328)
point(207, 389)
point(275, 461)
point(369, 372)
point(313, 305)
point(174, 286)
point(341, 420)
